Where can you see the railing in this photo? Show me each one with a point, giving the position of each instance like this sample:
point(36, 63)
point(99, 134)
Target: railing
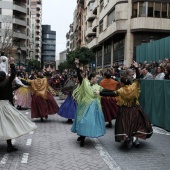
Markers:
point(22, 4)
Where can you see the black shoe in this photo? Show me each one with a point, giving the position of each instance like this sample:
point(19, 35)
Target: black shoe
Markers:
point(109, 125)
point(79, 138)
point(11, 149)
point(46, 117)
point(19, 107)
point(82, 143)
point(42, 119)
point(69, 121)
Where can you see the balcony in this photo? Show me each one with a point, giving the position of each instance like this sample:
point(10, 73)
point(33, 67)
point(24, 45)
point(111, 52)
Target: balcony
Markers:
point(95, 24)
point(20, 35)
point(93, 43)
point(89, 32)
point(95, 6)
point(19, 21)
point(19, 6)
point(89, 1)
point(90, 16)
point(144, 23)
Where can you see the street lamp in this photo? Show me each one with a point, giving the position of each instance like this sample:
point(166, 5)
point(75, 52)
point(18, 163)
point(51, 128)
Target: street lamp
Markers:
point(19, 53)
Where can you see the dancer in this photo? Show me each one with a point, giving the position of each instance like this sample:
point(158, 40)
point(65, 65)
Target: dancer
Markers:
point(131, 123)
point(23, 93)
point(69, 107)
point(89, 120)
point(109, 106)
point(43, 103)
point(13, 123)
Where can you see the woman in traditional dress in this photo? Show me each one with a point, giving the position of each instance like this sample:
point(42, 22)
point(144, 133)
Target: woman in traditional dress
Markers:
point(13, 123)
point(43, 103)
point(23, 94)
point(89, 120)
point(69, 107)
point(131, 123)
point(109, 106)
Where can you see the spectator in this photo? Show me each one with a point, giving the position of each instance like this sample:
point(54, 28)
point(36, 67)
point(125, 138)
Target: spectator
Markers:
point(160, 73)
point(147, 74)
point(167, 73)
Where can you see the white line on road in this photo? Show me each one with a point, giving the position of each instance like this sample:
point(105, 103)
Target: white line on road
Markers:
point(31, 133)
point(4, 159)
point(29, 141)
point(13, 141)
point(105, 155)
point(25, 158)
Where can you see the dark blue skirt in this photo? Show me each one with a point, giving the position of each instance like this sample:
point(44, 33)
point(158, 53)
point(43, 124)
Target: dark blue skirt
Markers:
point(68, 108)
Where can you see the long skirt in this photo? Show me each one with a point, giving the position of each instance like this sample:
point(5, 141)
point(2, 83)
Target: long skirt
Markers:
point(23, 97)
point(12, 122)
point(132, 122)
point(110, 108)
point(41, 107)
point(68, 108)
point(91, 124)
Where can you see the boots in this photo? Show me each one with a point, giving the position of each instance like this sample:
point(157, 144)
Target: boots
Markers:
point(10, 147)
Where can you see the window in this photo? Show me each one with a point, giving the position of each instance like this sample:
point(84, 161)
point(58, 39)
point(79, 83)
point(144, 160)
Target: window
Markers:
point(107, 54)
point(0, 10)
point(135, 10)
point(150, 9)
point(101, 26)
point(101, 5)
point(164, 10)
point(111, 18)
point(142, 9)
point(157, 11)
point(91, 6)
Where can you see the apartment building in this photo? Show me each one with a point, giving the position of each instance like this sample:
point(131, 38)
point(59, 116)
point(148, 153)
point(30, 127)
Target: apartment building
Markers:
point(36, 12)
point(70, 38)
point(15, 28)
point(115, 27)
point(63, 56)
point(48, 47)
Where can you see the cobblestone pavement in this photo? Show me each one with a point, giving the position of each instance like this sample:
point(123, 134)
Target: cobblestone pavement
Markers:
point(53, 147)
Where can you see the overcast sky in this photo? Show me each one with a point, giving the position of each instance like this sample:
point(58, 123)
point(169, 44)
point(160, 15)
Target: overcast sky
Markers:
point(58, 14)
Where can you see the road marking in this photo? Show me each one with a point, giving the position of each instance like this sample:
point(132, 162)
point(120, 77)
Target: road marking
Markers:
point(4, 159)
point(29, 141)
point(13, 141)
point(111, 163)
point(160, 131)
point(25, 158)
point(31, 133)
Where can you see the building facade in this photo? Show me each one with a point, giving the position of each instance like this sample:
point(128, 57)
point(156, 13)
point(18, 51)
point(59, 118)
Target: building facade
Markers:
point(63, 56)
point(48, 47)
point(115, 28)
point(36, 40)
point(15, 29)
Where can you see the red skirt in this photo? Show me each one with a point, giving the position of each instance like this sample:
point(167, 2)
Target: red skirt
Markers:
point(110, 108)
point(41, 107)
point(132, 122)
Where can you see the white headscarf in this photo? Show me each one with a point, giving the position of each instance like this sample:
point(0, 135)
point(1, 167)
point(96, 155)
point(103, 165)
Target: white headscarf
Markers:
point(4, 64)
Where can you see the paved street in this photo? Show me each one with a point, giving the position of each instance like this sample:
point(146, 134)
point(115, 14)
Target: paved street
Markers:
point(53, 147)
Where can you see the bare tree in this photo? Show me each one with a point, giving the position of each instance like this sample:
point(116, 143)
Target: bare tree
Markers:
point(7, 38)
